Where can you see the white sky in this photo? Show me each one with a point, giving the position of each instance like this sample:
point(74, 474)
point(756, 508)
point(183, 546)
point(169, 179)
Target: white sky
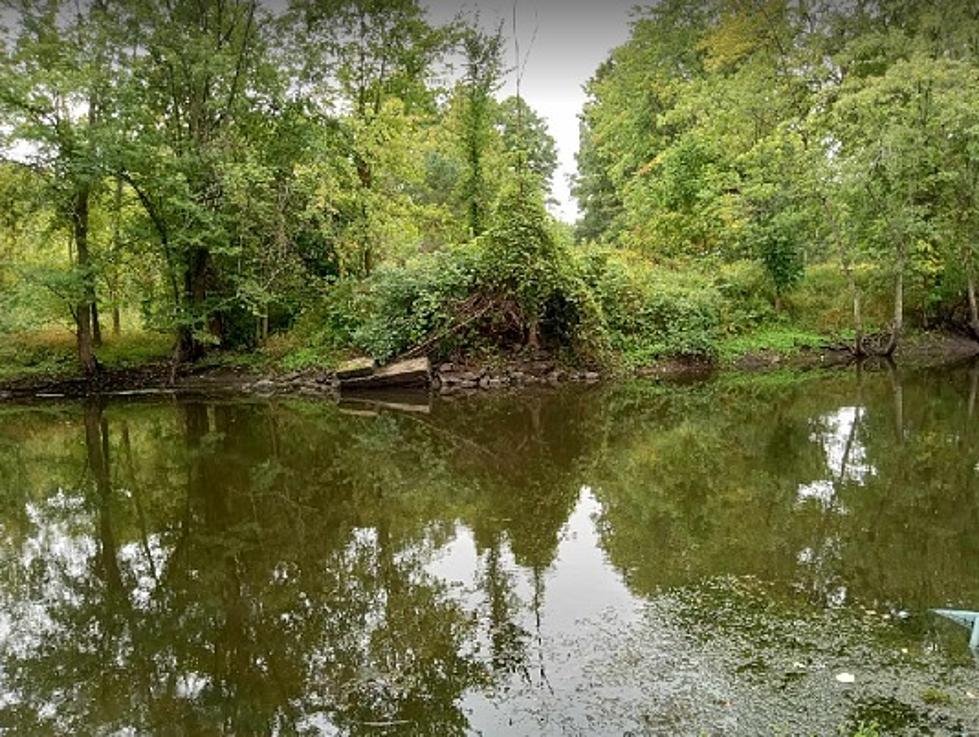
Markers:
point(572, 38)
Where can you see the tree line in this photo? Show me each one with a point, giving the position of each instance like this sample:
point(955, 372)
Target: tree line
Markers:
point(791, 133)
point(216, 165)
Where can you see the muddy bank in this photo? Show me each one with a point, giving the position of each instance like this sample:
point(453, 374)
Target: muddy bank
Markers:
point(447, 378)
point(915, 351)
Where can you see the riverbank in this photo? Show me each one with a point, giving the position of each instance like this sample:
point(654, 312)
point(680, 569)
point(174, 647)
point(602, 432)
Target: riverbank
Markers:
point(140, 365)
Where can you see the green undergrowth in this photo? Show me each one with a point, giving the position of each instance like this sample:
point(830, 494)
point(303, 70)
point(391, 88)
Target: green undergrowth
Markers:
point(52, 352)
point(613, 309)
point(601, 306)
point(780, 339)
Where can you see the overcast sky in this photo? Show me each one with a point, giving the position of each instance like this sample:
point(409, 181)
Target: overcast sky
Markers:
point(573, 37)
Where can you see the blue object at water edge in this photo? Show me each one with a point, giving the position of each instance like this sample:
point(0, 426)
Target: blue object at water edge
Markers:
point(968, 619)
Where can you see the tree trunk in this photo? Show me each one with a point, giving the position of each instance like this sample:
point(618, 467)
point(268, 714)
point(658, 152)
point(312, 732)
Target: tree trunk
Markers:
point(366, 176)
point(778, 302)
point(116, 253)
point(368, 264)
point(973, 307)
point(858, 347)
point(83, 310)
point(96, 325)
point(899, 301)
point(897, 325)
point(189, 348)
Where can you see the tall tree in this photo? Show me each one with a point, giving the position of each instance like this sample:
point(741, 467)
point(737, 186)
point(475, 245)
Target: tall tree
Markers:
point(358, 57)
point(526, 139)
point(484, 70)
point(202, 84)
point(54, 95)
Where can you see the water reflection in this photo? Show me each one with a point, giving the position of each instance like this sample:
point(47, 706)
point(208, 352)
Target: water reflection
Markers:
point(547, 564)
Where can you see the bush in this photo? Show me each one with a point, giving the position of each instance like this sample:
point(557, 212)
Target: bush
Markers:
point(822, 301)
point(651, 312)
point(403, 305)
point(748, 297)
point(323, 332)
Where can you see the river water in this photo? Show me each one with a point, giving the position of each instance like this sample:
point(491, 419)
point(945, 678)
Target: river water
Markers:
point(636, 559)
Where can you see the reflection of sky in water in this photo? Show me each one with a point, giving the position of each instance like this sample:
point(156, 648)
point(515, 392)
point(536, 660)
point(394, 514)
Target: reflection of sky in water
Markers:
point(59, 554)
point(580, 600)
point(583, 600)
point(846, 456)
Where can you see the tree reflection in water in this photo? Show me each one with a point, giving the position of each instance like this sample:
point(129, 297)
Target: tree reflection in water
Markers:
point(252, 568)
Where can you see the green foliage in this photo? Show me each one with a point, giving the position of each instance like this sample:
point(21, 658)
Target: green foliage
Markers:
point(781, 339)
point(526, 140)
point(763, 168)
point(780, 252)
point(794, 135)
point(867, 730)
point(747, 293)
point(936, 696)
point(403, 305)
point(52, 352)
point(522, 256)
point(652, 312)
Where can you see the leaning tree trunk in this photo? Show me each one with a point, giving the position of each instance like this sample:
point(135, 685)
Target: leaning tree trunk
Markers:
point(83, 310)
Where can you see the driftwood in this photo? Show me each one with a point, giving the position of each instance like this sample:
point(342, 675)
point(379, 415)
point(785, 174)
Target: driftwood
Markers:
point(879, 345)
point(467, 312)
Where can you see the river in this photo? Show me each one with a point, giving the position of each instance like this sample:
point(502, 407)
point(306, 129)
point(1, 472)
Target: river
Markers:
point(715, 558)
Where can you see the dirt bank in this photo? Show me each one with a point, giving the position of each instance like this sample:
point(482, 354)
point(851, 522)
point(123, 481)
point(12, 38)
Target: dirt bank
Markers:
point(919, 351)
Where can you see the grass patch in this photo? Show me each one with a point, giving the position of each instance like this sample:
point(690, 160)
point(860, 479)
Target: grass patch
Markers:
point(784, 340)
point(867, 730)
point(52, 352)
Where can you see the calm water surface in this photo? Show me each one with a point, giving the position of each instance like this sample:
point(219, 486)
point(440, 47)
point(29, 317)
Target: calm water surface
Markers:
point(628, 560)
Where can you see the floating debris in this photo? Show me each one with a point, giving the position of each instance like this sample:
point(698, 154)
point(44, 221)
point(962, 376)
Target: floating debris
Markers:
point(846, 677)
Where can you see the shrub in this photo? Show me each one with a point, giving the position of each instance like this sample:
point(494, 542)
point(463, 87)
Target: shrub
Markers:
point(747, 293)
point(323, 331)
point(522, 260)
point(649, 311)
point(403, 305)
point(514, 286)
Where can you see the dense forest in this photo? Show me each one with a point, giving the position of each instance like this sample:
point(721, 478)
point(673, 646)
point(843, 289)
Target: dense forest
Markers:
point(341, 177)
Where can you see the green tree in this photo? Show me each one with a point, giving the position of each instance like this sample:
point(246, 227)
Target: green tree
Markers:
point(484, 69)
point(527, 141)
point(56, 99)
point(202, 85)
point(523, 257)
point(360, 56)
